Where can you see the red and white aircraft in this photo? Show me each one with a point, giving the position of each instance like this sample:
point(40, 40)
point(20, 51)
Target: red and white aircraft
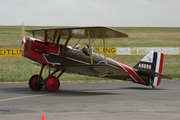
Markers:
point(46, 47)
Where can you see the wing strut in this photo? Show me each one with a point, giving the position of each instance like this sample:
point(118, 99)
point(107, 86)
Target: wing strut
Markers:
point(54, 36)
point(90, 49)
point(66, 43)
point(104, 50)
point(45, 35)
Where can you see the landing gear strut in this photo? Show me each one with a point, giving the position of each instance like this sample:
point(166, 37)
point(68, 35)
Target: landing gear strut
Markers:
point(51, 83)
point(152, 86)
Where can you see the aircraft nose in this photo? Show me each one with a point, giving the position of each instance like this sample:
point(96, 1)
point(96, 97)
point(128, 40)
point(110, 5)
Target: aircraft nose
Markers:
point(25, 40)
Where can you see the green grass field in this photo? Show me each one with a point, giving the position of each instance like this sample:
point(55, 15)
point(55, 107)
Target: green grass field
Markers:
point(21, 69)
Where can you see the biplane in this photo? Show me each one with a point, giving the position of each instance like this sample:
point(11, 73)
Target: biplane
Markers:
point(51, 47)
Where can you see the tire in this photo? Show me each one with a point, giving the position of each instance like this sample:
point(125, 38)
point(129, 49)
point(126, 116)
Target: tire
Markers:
point(33, 83)
point(52, 84)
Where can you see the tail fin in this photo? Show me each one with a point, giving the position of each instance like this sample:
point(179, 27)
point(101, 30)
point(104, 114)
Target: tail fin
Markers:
point(150, 67)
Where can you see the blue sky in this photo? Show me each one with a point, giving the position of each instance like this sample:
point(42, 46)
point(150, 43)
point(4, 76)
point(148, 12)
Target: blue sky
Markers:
point(125, 13)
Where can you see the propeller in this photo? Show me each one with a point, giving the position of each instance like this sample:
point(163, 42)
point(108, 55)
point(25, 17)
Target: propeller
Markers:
point(23, 34)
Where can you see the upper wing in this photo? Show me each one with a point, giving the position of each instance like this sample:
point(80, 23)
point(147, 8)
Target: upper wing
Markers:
point(81, 32)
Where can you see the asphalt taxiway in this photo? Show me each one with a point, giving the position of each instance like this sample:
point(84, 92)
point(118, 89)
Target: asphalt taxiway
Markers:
point(92, 101)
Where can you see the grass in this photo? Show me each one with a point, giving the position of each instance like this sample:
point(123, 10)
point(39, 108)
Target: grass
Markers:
point(21, 69)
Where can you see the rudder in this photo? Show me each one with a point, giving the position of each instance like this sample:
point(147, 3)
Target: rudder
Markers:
point(151, 65)
point(158, 59)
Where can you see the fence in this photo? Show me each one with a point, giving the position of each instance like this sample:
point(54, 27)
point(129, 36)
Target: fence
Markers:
point(110, 51)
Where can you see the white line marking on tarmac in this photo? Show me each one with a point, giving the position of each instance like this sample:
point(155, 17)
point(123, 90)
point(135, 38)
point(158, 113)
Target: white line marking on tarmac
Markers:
point(22, 97)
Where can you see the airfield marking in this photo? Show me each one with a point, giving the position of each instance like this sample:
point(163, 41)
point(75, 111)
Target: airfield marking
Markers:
point(22, 97)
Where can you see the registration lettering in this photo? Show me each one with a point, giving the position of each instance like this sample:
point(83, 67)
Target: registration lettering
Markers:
point(144, 66)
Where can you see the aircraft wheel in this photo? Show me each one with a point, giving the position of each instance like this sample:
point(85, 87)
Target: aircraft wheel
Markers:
point(52, 84)
point(33, 83)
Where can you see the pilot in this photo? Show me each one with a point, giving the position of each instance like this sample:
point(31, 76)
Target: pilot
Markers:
point(86, 50)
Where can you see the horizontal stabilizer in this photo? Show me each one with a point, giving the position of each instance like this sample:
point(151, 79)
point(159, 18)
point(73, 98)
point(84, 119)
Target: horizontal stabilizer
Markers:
point(152, 73)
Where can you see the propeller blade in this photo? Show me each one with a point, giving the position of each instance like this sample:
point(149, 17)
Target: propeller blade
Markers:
point(23, 34)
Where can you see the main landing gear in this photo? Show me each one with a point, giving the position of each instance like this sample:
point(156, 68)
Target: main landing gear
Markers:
point(51, 83)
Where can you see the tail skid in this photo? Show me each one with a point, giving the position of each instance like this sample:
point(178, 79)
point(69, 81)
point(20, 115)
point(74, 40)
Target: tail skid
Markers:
point(150, 68)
